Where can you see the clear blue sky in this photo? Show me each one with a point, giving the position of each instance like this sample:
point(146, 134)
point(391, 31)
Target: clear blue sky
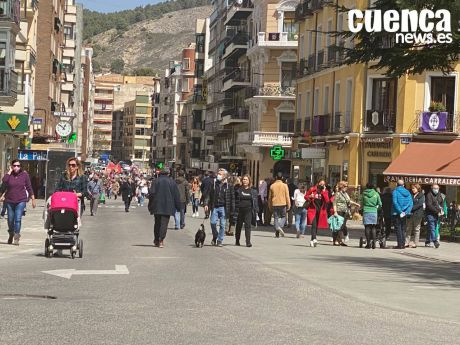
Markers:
point(114, 5)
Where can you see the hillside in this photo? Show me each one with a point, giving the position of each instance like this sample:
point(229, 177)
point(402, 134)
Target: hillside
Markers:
point(150, 43)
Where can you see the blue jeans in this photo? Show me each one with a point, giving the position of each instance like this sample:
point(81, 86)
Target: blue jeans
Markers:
point(432, 221)
point(218, 214)
point(400, 229)
point(15, 212)
point(179, 217)
point(140, 199)
point(301, 220)
point(279, 212)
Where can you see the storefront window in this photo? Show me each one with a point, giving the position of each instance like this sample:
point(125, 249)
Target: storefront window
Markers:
point(334, 175)
point(376, 170)
point(345, 170)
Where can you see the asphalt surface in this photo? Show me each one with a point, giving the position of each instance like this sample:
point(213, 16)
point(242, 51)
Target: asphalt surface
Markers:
point(279, 292)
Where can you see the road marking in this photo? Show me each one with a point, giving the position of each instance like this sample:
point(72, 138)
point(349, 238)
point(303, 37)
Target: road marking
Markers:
point(68, 273)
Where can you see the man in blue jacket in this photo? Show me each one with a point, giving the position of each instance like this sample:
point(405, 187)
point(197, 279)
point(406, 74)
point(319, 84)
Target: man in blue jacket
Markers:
point(402, 208)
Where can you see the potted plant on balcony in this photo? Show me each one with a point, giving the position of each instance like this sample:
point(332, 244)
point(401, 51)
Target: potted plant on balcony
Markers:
point(434, 120)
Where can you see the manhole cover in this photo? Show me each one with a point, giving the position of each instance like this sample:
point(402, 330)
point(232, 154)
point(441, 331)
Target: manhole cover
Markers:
point(19, 296)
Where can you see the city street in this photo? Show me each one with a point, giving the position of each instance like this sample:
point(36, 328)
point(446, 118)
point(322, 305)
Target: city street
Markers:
point(125, 291)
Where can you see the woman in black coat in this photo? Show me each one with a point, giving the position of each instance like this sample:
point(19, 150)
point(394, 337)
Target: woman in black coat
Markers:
point(246, 206)
point(127, 189)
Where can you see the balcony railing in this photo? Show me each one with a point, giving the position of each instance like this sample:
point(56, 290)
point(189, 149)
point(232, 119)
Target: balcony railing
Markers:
point(271, 138)
point(321, 125)
point(273, 90)
point(240, 38)
point(237, 75)
point(10, 10)
point(9, 84)
point(275, 39)
point(239, 11)
point(437, 123)
point(341, 123)
point(236, 113)
point(303, 10)
point(380, 121)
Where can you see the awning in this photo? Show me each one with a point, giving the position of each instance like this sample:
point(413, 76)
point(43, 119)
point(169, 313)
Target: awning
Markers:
point(427, 163)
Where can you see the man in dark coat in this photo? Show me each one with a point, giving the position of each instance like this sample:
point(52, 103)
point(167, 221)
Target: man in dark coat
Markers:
point(206, 185)
point(128, 190)
point(164, 201)
point(184, 192)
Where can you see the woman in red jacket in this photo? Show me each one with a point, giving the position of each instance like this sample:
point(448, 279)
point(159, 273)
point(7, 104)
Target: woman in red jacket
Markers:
point(318, 198)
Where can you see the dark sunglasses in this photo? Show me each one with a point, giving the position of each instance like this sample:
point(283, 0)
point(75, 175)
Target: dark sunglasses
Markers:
point(72, 165)
point(17, 165)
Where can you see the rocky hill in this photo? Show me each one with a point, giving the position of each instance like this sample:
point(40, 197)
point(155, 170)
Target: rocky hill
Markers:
point(150, 43)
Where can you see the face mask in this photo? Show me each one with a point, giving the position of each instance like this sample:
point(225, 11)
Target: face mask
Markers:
point(435, 191)
point(219, 178)
point(321, 187)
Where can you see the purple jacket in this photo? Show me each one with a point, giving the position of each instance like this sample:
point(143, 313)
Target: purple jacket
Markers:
point(16, 186)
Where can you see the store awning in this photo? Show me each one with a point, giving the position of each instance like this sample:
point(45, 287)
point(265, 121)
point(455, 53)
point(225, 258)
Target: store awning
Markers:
point(427, 163)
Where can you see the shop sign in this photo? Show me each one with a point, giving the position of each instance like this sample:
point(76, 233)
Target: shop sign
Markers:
point(380, 154)
point(314, 153)
point(445, 181)
point(64, 114)
point(14, 123)
point(277, 153)
point(377, 140)
point(25, 155)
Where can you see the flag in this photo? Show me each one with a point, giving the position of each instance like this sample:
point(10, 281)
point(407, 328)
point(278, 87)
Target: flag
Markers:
point(434, 122)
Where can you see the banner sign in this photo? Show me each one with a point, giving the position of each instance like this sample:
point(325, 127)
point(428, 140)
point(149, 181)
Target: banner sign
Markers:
point(434, 122)
point(444, 181)
point(26, 155)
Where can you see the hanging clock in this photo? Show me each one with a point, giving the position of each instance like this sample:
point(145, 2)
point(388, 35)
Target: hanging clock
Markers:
point(63, 128)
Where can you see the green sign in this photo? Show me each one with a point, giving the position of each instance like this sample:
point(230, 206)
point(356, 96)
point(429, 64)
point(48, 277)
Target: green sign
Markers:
point(14, 123)
point(277, 153)
point(160, 165)
point(72, 138)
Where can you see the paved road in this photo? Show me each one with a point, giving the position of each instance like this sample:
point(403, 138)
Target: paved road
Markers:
point(278, 292)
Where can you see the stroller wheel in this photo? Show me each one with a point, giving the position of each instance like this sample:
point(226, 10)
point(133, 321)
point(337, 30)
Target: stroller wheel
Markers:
point(80, 249)
point(361, 242)
point(47, 245)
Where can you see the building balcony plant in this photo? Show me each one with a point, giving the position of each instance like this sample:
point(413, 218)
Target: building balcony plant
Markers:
point(437, 120)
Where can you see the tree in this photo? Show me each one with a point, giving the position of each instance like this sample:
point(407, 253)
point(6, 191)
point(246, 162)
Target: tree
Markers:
point(97, 67)
point(117, 66)
point(144, 71)
point(382, 52)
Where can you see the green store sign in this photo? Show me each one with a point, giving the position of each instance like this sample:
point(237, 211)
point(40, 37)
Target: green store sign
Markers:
point(277, 153)
point(14, 123)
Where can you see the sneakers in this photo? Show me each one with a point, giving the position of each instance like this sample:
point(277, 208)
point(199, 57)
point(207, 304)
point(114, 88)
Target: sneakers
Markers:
point(430, 245)
point(313, 243)
point(10, 237)
point(213, 242)
point(219, 244)
point(16, 238)
point(347, 238)
point(277, 234)
point(161, 245)
point(281, 231)
point(237, 243)
point(436, 244)
point(156, 243)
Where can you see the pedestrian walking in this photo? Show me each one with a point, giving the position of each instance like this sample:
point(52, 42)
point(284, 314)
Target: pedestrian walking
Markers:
point(268, 214)
point(279, 203)
point(387, 205)
point(184, 192)
point(342, 205)
point(318, 200)
point(292, 188)
point(128, 189)
point(94, 192)
point(402, 207)
point(434, 210)
point(220, 202)
point(195, 196)
point(115, 189)
point(371, 205)
point(206, 186)
point(262, 198)
point(74, 180)
point(299, 210)
point(164, 201)
point(414, 223)
point(231, 221)
point(246, 206)
point(18, 192)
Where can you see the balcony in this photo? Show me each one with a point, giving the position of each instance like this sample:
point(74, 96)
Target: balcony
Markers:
point(10, 11)
point(235, 115)
point(242, 138)
point(380, 121)
point(438, 123)
point(341, 123)
point(8, 87)
point(267, 139)
point(303, 10)
point(212, 128)
point(321, 125)
point(318, 5)
point(236, 45)
point(272, 91)
point(237, 12)
point(29, 7)
point(236, 79)
point(273, 40)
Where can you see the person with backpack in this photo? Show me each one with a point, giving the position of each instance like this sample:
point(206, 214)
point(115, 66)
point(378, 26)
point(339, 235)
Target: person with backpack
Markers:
point(184, 192)
point(318, 200)
point(434, 210)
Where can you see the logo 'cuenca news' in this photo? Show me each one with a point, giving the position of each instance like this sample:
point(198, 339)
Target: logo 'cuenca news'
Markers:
point(409, 26)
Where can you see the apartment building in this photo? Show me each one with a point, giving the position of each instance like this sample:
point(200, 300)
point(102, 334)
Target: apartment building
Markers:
point(137, 130)
point(89, 84)
point(18, 27)
point(102, 121)
point(357, 121)
point(49, 68)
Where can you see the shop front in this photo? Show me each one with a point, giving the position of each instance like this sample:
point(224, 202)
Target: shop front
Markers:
point(428, 164)
point(377, 156)
point(12, 128)
point(34, 162)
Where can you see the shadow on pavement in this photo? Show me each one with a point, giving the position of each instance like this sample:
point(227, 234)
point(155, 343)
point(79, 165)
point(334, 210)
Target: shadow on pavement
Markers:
point(433, 273)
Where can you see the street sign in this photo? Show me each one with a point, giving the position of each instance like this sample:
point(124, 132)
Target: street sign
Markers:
point(68, 273)
point(64, 114)
point(277, 153)
point(32, 155)
point(313, 153)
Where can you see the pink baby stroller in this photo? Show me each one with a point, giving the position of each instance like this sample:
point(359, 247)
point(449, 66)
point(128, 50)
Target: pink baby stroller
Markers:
point(63, 229)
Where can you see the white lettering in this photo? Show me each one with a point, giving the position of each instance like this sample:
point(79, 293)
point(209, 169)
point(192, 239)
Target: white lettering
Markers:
point(391, 21)
point(400, 38)
point(411, 16)
point(373, 22)
point(352, 16)
point(424, 24)
point(444, 24)
point(408, 38)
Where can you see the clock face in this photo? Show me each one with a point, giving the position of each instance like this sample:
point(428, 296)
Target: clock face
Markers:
point(63, 129)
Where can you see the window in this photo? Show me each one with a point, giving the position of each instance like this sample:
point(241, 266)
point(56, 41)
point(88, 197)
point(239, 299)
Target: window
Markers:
point(200, 43)
point(138, 154)
point(186, 64)
point(319, 38)
point(141, 110)
point(286, 124)
point(21, 76)
point(185, 85)
point(141, 121)
point(199, 68)
point(384, 95)
point(68, 32)
point(443, 90)
point(315, 102)
point(326, 100)
point(310, 43)
point(299, 106)
point(290, 26)
point(302, 46)
point(307, 111)
point(288, 74)
point(348, 103)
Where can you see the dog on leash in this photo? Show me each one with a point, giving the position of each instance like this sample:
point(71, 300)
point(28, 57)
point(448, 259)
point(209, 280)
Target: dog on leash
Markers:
point(200, 236)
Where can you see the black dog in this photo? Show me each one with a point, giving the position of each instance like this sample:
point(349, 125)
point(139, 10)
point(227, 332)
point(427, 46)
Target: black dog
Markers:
point(200, 236)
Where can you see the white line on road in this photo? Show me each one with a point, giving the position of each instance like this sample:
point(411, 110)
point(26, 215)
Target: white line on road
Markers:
point(68, 273)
